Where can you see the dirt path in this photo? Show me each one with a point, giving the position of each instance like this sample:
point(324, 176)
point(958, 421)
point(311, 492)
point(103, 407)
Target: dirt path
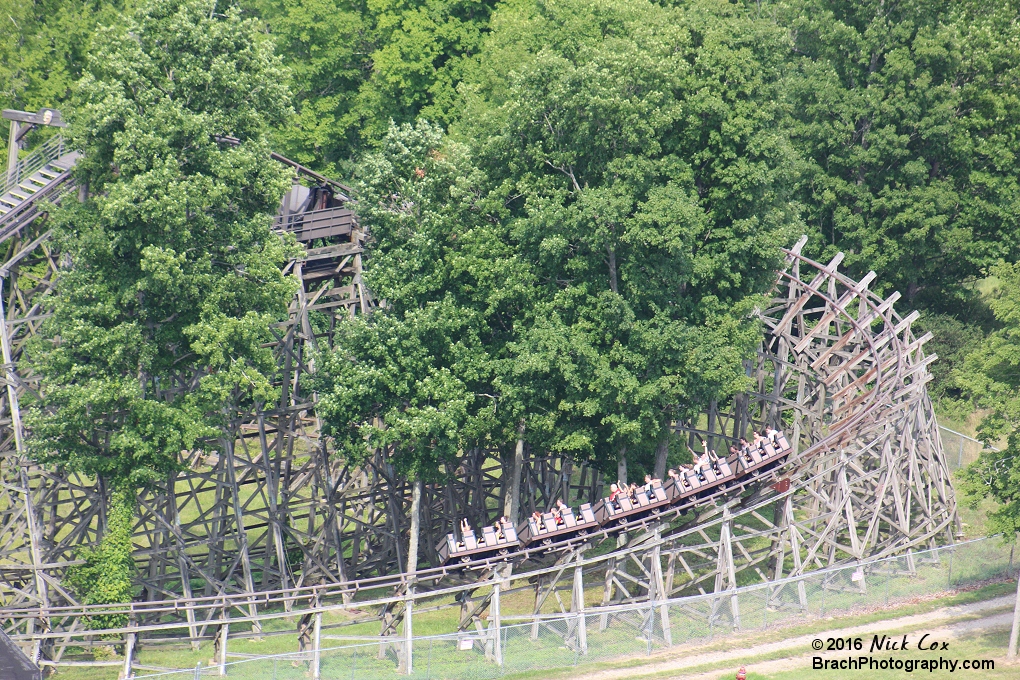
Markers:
point(956, 620)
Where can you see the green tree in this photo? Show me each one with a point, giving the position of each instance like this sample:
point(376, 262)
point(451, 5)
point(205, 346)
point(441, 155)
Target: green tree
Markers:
point(991, 377)
point(159, 321)
point(952, 340)
point(357, 66)
point(411, 379)
point(641, 157)
point(907, 116)
point(43, 49)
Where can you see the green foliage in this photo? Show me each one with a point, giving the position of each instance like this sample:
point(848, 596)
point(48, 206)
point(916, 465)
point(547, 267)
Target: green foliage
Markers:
point(159, 321)
point(952, 340)
point(43, 48)
point(990, 376)
point(409, 378)
point(639, 153)
point(106, 576)
point(357, 66)
point(907, 115)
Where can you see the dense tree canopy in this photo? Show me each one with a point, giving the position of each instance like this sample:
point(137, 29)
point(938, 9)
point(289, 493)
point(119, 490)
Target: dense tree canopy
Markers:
point(358, 65)
point(991, 376)
point(907, 116)
point(648, 189)
point(167, 248)
point(585, 257)
point(43, 48)
point(574, 208)
point(159, 321)
point(411, 376)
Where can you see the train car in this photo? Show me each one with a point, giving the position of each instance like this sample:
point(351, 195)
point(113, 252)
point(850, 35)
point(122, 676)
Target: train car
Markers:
point(764, 457)
point(624, 510)
point(700, 484)
point(718, 474)
point(470, 548)
point(685, 484)
point(739, 468)
point(547, 530)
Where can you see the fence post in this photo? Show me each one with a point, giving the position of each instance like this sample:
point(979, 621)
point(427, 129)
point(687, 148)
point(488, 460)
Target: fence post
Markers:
point(497, 641)
point(661, 593)
point(129, 651)
point(582, 629)
point(408, 630)
point(198, 670)
point(224, 632)
point(316, 637)
point(960, 463)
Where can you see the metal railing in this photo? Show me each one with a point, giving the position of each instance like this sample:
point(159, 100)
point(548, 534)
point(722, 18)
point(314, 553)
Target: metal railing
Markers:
point(48, 152)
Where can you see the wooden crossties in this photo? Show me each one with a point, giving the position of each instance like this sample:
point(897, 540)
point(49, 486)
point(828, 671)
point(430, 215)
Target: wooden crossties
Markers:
point(266, 520)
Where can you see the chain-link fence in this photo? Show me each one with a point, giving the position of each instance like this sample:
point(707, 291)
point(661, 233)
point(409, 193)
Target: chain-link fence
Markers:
point(960, 449)
point(508, 647)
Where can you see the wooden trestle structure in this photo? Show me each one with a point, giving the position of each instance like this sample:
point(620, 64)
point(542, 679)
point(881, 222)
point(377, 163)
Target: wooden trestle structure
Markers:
point(270, 524)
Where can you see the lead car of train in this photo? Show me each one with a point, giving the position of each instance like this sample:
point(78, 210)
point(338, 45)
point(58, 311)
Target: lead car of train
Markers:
point(504, 538)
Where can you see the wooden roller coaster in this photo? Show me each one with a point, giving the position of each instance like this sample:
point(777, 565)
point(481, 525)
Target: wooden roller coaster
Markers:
point(267, 524)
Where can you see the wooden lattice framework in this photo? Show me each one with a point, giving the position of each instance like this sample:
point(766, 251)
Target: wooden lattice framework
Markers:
point(270, 511)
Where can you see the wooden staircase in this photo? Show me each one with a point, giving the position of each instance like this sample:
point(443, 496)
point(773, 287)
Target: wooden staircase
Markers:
point(31, 185)
point(42, 176)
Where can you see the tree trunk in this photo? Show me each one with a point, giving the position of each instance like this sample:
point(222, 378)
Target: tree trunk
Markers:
point(412, 547)
point(661, 451)
point(511, 504)
point(613, 284)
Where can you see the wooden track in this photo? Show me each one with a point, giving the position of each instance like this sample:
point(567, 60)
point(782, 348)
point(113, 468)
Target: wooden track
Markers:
point(268, 522)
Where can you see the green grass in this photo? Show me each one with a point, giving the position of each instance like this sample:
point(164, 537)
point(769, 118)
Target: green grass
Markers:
point(804, 628)
point(524, 656)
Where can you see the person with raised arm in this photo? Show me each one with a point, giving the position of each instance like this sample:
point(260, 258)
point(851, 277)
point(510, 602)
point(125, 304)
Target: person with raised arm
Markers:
point(701, 461)
point(558, 509)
